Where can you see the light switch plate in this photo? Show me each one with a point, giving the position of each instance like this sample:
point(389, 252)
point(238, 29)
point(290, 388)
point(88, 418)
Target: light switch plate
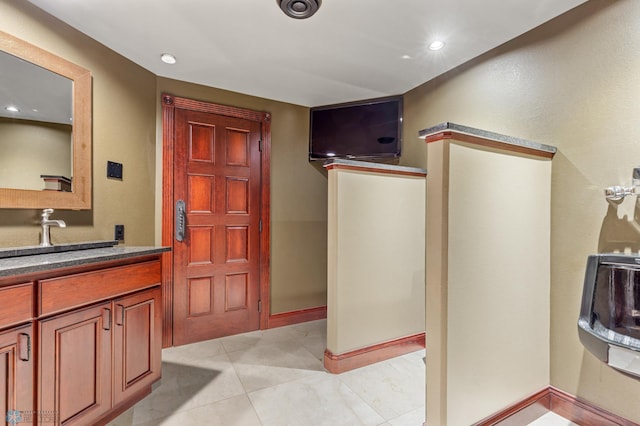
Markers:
point(114, 170)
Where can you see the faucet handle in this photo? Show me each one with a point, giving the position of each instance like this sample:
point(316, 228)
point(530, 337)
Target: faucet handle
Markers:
point(46, 213)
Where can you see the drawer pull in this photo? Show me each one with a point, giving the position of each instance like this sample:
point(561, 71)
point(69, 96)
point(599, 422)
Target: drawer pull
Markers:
point(106, 319)
point(24, 346)
point(121, 315)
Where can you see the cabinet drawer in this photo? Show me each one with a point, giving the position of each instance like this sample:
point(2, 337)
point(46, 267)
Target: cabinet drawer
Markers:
point(71, 291)
point(17, 304)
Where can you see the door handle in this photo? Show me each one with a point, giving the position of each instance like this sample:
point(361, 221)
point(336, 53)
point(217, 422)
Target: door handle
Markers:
point(106, 319)
point(24, 346)
point(120, 321)
point(181, 219)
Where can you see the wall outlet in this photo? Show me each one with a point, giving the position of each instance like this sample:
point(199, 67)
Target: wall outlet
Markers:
point(119, 234)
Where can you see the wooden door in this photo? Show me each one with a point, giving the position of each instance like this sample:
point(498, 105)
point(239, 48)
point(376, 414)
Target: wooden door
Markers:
point(137, 341)
point(16, 375)
point(216, 269)
point(75, 365)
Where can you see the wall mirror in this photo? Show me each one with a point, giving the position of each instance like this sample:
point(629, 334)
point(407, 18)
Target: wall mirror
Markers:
point(45, 129)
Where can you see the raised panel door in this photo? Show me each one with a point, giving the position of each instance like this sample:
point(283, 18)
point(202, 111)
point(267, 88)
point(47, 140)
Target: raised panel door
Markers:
point(217, 266)
point(137, 343)
point(75, 365)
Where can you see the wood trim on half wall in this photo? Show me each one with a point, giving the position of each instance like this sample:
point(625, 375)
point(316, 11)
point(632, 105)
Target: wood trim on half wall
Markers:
point(339, 363)
point(169, 104)
point(296, 317)
point(563, 404)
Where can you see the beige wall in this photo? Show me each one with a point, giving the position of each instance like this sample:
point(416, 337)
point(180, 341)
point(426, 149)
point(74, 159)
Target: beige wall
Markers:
point(376, 258)
point(123, 131)
point(498, 281)
point(47, 145)
point(572, 83)
point(298, 198)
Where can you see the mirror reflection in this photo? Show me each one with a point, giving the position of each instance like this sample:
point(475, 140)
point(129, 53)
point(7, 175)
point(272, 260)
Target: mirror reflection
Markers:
point(63, 115)
point(36, 116)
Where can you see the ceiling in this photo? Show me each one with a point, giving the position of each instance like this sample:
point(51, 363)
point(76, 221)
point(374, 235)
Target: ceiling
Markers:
point(349, 50)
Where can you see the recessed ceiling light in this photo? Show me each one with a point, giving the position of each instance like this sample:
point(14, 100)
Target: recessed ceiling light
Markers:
point(168, 58)
point(12, 108)
point(436, 45)
point(406, 57)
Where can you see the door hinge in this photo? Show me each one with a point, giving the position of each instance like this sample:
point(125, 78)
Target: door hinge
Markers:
point(260, 145)
point(259, 305)
point(260, 226)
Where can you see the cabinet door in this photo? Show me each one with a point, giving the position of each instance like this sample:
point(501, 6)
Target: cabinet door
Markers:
point(75, 365)
point(16, 375)
point(137, 343)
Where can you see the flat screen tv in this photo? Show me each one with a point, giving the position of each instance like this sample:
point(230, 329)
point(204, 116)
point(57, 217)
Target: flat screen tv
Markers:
point(364, 130)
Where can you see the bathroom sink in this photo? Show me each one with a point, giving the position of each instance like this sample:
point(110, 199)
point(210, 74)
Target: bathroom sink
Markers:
point(58, 248)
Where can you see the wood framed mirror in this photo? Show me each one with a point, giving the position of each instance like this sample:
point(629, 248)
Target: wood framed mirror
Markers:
point(45, 69)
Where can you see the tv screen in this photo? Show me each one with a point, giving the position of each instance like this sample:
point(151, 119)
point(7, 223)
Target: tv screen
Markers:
point(370, 129)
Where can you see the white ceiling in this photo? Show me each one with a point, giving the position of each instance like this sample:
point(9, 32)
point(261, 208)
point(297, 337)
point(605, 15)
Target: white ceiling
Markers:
point(349, 50)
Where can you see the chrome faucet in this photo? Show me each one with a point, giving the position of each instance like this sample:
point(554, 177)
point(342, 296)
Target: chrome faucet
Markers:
point(46, 223)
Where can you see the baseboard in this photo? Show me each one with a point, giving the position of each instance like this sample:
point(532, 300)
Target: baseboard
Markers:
point(339, 363)
point(522, 412)
point(559, 402)
point(582, 412)
point(296, 317)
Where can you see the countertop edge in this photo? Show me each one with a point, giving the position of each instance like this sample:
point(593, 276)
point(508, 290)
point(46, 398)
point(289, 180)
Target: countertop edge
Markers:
point(51, 261)
point(376, 166)
point(510, 140)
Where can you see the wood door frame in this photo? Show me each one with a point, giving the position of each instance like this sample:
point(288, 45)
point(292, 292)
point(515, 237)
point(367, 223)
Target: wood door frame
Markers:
point(169, 105)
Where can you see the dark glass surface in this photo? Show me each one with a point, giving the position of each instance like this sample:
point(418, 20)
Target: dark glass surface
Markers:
point(616, 302)
point(359, 130)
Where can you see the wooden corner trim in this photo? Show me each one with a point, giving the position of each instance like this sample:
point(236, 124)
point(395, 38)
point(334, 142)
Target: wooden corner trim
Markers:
point(563, 404)
point(204, 106)
point(375, 170)
point(296, 317)
point(339, 363)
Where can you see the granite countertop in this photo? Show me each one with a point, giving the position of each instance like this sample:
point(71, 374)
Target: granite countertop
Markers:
point(509, 140)
point(41, 262)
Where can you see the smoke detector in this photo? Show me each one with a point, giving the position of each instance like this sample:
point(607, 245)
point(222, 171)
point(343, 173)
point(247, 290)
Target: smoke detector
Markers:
point(299, 9)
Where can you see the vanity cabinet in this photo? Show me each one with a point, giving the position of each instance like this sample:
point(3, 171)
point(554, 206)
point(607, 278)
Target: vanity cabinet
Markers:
point(95, 359)
point(80, 341)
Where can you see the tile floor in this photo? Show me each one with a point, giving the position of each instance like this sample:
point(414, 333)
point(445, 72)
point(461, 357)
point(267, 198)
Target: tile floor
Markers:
point(275, 378)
